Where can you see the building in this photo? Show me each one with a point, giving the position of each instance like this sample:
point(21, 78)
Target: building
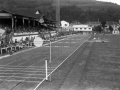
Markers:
point(115, 29)
point(65, 25)
point(85, 29)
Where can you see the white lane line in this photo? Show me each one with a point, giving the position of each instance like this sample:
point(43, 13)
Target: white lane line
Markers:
point(21, 71)
point(57, 46)
point(9, 67)
point(67, 42)
point(13, 71)
point(29, 70)
point(20, 66)
point(23, 77)
point(17, 68)
point(60, 64)
point(28, 81)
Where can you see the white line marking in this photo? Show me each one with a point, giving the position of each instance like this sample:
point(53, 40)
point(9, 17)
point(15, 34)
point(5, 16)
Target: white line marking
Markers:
point(27, 71)
point(8, 67)
point(21, 70)
point(18, 69)
point(20, 66)
point(57, 46)
point(60, 64)
point(21, 81)
point(23, 77)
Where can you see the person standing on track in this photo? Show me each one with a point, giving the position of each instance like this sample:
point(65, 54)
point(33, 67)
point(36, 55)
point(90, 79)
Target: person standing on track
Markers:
point(103, 25)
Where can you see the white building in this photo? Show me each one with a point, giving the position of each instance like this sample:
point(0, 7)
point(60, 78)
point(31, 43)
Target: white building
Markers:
point(115, 29)
point(82, 28)
point(64, 25)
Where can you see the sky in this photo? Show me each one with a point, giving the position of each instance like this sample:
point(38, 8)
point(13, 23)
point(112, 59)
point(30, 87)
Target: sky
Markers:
point(113, 1)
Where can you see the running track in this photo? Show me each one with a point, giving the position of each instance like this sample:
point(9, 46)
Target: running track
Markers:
point(26, 70)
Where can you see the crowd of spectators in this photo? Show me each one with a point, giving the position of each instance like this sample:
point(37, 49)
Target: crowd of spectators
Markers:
point(7, 44)
point(26, 29)
point(16, 45)
point(20, 29)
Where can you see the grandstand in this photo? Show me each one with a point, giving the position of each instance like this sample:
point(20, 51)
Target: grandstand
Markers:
point(19, 30)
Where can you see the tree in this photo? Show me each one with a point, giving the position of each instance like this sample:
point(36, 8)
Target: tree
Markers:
point(103, 23)
point(97, 29)
point(110, 28)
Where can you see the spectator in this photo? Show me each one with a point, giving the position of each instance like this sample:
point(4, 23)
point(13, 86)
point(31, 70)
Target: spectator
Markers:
point(16, 41)
point(0, 44)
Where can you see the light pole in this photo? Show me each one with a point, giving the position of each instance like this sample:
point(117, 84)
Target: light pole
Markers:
point(50, 57)
point(58, 15)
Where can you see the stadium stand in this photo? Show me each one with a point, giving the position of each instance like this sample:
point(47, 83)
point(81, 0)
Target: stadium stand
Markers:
point(16, 24)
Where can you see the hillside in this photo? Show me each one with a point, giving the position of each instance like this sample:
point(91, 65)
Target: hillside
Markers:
point(81, 10)
point(32, 4)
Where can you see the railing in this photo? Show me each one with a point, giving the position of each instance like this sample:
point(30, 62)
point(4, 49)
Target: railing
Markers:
point(25, 33)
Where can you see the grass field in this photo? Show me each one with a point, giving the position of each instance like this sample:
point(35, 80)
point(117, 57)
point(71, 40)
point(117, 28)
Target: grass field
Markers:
point(26, 70)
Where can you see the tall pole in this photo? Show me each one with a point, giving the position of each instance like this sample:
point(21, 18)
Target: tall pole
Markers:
point(23, 22)
point(12, 24)
point(98, 20)
point(12, 27)
point(50, 58)
point(44, 8)
point(58, 12)
point(15, 23)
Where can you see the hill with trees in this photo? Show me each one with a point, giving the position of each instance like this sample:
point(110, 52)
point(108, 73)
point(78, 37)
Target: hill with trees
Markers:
point(71, 10)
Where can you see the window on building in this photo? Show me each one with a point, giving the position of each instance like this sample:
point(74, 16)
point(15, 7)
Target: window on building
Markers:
point(65, 24)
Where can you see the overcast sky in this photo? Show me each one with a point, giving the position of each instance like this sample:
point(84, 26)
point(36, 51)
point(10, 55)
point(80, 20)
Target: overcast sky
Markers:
point(113, 1)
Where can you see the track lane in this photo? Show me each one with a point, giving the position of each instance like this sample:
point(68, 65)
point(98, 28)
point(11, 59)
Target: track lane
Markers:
point(28, 64)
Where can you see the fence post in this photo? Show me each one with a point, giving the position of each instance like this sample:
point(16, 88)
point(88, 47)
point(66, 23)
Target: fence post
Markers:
point(46, 70)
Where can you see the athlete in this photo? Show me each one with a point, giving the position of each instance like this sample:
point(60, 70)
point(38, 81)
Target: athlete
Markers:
point(103, 37)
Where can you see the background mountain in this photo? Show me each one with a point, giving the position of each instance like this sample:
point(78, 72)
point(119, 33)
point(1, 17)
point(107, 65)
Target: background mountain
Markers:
point(71, 10)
